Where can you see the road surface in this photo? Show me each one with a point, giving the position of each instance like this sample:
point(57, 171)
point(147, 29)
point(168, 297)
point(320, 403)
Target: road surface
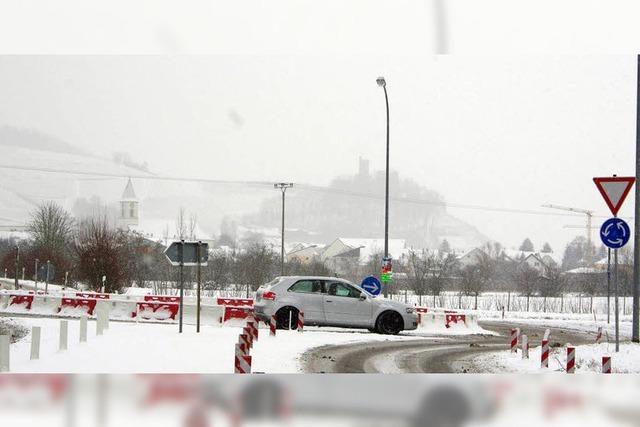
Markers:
point(440, 354)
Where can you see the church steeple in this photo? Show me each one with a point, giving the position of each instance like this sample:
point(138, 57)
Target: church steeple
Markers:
point(128, 207)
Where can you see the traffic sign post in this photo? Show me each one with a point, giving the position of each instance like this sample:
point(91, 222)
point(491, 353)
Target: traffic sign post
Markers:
point(615, 232)
point(182, 254)
point(371, 285)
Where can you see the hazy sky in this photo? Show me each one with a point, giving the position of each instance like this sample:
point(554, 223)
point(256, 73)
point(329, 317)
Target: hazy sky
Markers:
point(500, 131)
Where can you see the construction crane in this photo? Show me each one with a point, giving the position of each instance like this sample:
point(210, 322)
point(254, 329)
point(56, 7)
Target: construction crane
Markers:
point(588, 227)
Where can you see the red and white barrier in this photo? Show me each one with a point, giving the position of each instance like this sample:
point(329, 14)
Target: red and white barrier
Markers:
point(242, 364)
point(235, 313)
point(571, 360)
point(249, 333)
point(599, 334)
point(161, 298)
point(300, 321)
point(451, 318)
point(20, 302)
point(272, 326)
point(544, 354)
point(235, 302)
point(514, 340)
point(95, 295)
point(606, 364)
point(77, 306)
point(158, 310)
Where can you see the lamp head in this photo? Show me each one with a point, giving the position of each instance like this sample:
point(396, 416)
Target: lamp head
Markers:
point(381, 81)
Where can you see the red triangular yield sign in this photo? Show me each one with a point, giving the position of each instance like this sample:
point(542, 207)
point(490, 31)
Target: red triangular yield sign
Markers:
point(614, 190)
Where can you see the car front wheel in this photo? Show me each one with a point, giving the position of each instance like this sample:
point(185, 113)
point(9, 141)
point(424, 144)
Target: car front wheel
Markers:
point(389, 323)
point(287, 318)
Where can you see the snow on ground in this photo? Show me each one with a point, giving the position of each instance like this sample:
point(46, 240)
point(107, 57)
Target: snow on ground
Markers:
point(588, 359)
point(151, 348)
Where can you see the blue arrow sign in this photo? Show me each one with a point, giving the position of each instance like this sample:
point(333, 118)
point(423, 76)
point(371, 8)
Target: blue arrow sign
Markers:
point(615, 233)
point(371, 285)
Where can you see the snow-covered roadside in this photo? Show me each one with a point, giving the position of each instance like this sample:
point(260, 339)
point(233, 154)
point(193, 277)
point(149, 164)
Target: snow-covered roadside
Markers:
point(588, 359)
point(156, 348)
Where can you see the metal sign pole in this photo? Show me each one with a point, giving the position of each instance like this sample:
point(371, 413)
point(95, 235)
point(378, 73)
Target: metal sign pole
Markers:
point(608, 284)
point(615, 290)
point(198, 296)
point(181, 260)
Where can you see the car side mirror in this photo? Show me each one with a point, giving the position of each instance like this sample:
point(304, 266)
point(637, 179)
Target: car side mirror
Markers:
point(362, 297)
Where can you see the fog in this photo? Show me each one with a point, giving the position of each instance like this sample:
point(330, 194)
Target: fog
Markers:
point(488, 131)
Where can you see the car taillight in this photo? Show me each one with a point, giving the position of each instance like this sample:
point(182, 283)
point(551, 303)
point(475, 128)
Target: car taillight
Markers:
point(269, 295)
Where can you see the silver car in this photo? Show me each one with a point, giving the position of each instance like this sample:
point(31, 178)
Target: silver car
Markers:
point(330, 301)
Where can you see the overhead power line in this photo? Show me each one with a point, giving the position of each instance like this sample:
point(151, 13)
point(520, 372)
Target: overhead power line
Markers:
point(307, 187)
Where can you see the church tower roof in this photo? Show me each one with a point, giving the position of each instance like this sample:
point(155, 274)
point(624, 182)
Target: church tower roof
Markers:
point(129, 194)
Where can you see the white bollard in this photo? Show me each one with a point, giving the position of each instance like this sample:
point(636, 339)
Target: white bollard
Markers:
point(4, 352)
point(35, 343)
point(83, 328)
point(99, 326)
point(64, 335)
point(525, 347)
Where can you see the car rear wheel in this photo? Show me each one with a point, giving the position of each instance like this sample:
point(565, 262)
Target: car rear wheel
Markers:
point(284, 315)
point(389, 323)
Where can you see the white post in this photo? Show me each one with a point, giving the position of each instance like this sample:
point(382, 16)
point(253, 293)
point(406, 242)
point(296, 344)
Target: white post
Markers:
point(4, 353)
point(99, 325)
point(35, 343)
point(525, 347)
point(83, 328)
point(64, 334)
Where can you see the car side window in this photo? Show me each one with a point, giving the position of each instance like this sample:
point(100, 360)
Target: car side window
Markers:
point(342, 290)
point(307, 287)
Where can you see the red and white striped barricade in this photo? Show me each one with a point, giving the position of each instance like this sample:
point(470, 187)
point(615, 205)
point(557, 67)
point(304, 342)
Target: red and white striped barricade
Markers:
point(272, 326)
point(514, 340)
point(525, 347)
point(245, 340)
point(571, 360)
point(606, 364)
point(300, 321)
point(242, 364)
point(249, 333)
point(599, 334)
point(253, 326)
point(544, 354)
point(235, 313)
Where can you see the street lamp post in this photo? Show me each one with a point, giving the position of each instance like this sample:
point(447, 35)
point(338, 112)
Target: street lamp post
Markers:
point(283, 187)
point(382, 82)
point(35, 275)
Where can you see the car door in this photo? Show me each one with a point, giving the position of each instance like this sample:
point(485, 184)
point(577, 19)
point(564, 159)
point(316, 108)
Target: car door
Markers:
point(343, 305)
point(307, 295)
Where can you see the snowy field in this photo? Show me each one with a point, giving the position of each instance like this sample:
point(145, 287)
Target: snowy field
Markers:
point(155, 348)
point(588, 359)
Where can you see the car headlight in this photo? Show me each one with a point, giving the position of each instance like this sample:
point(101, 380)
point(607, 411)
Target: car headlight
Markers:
point(410, 310)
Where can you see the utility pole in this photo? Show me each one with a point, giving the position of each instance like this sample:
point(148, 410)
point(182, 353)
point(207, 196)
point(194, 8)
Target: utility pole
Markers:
point(383, 83)
point(635, 333)
point(35, 275)
point(16, 283)
point(282, 186)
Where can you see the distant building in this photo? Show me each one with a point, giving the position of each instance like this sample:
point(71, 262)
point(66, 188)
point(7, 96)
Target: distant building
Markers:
point(343, 253)
point(303, 254)
point(129, 208)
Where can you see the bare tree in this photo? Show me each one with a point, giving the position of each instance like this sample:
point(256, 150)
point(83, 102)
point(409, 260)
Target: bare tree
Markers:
point(181, 225)
point(526, 278)
point(417, 272)
point(193, 224)
point(440, 268)
point(101, 251)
